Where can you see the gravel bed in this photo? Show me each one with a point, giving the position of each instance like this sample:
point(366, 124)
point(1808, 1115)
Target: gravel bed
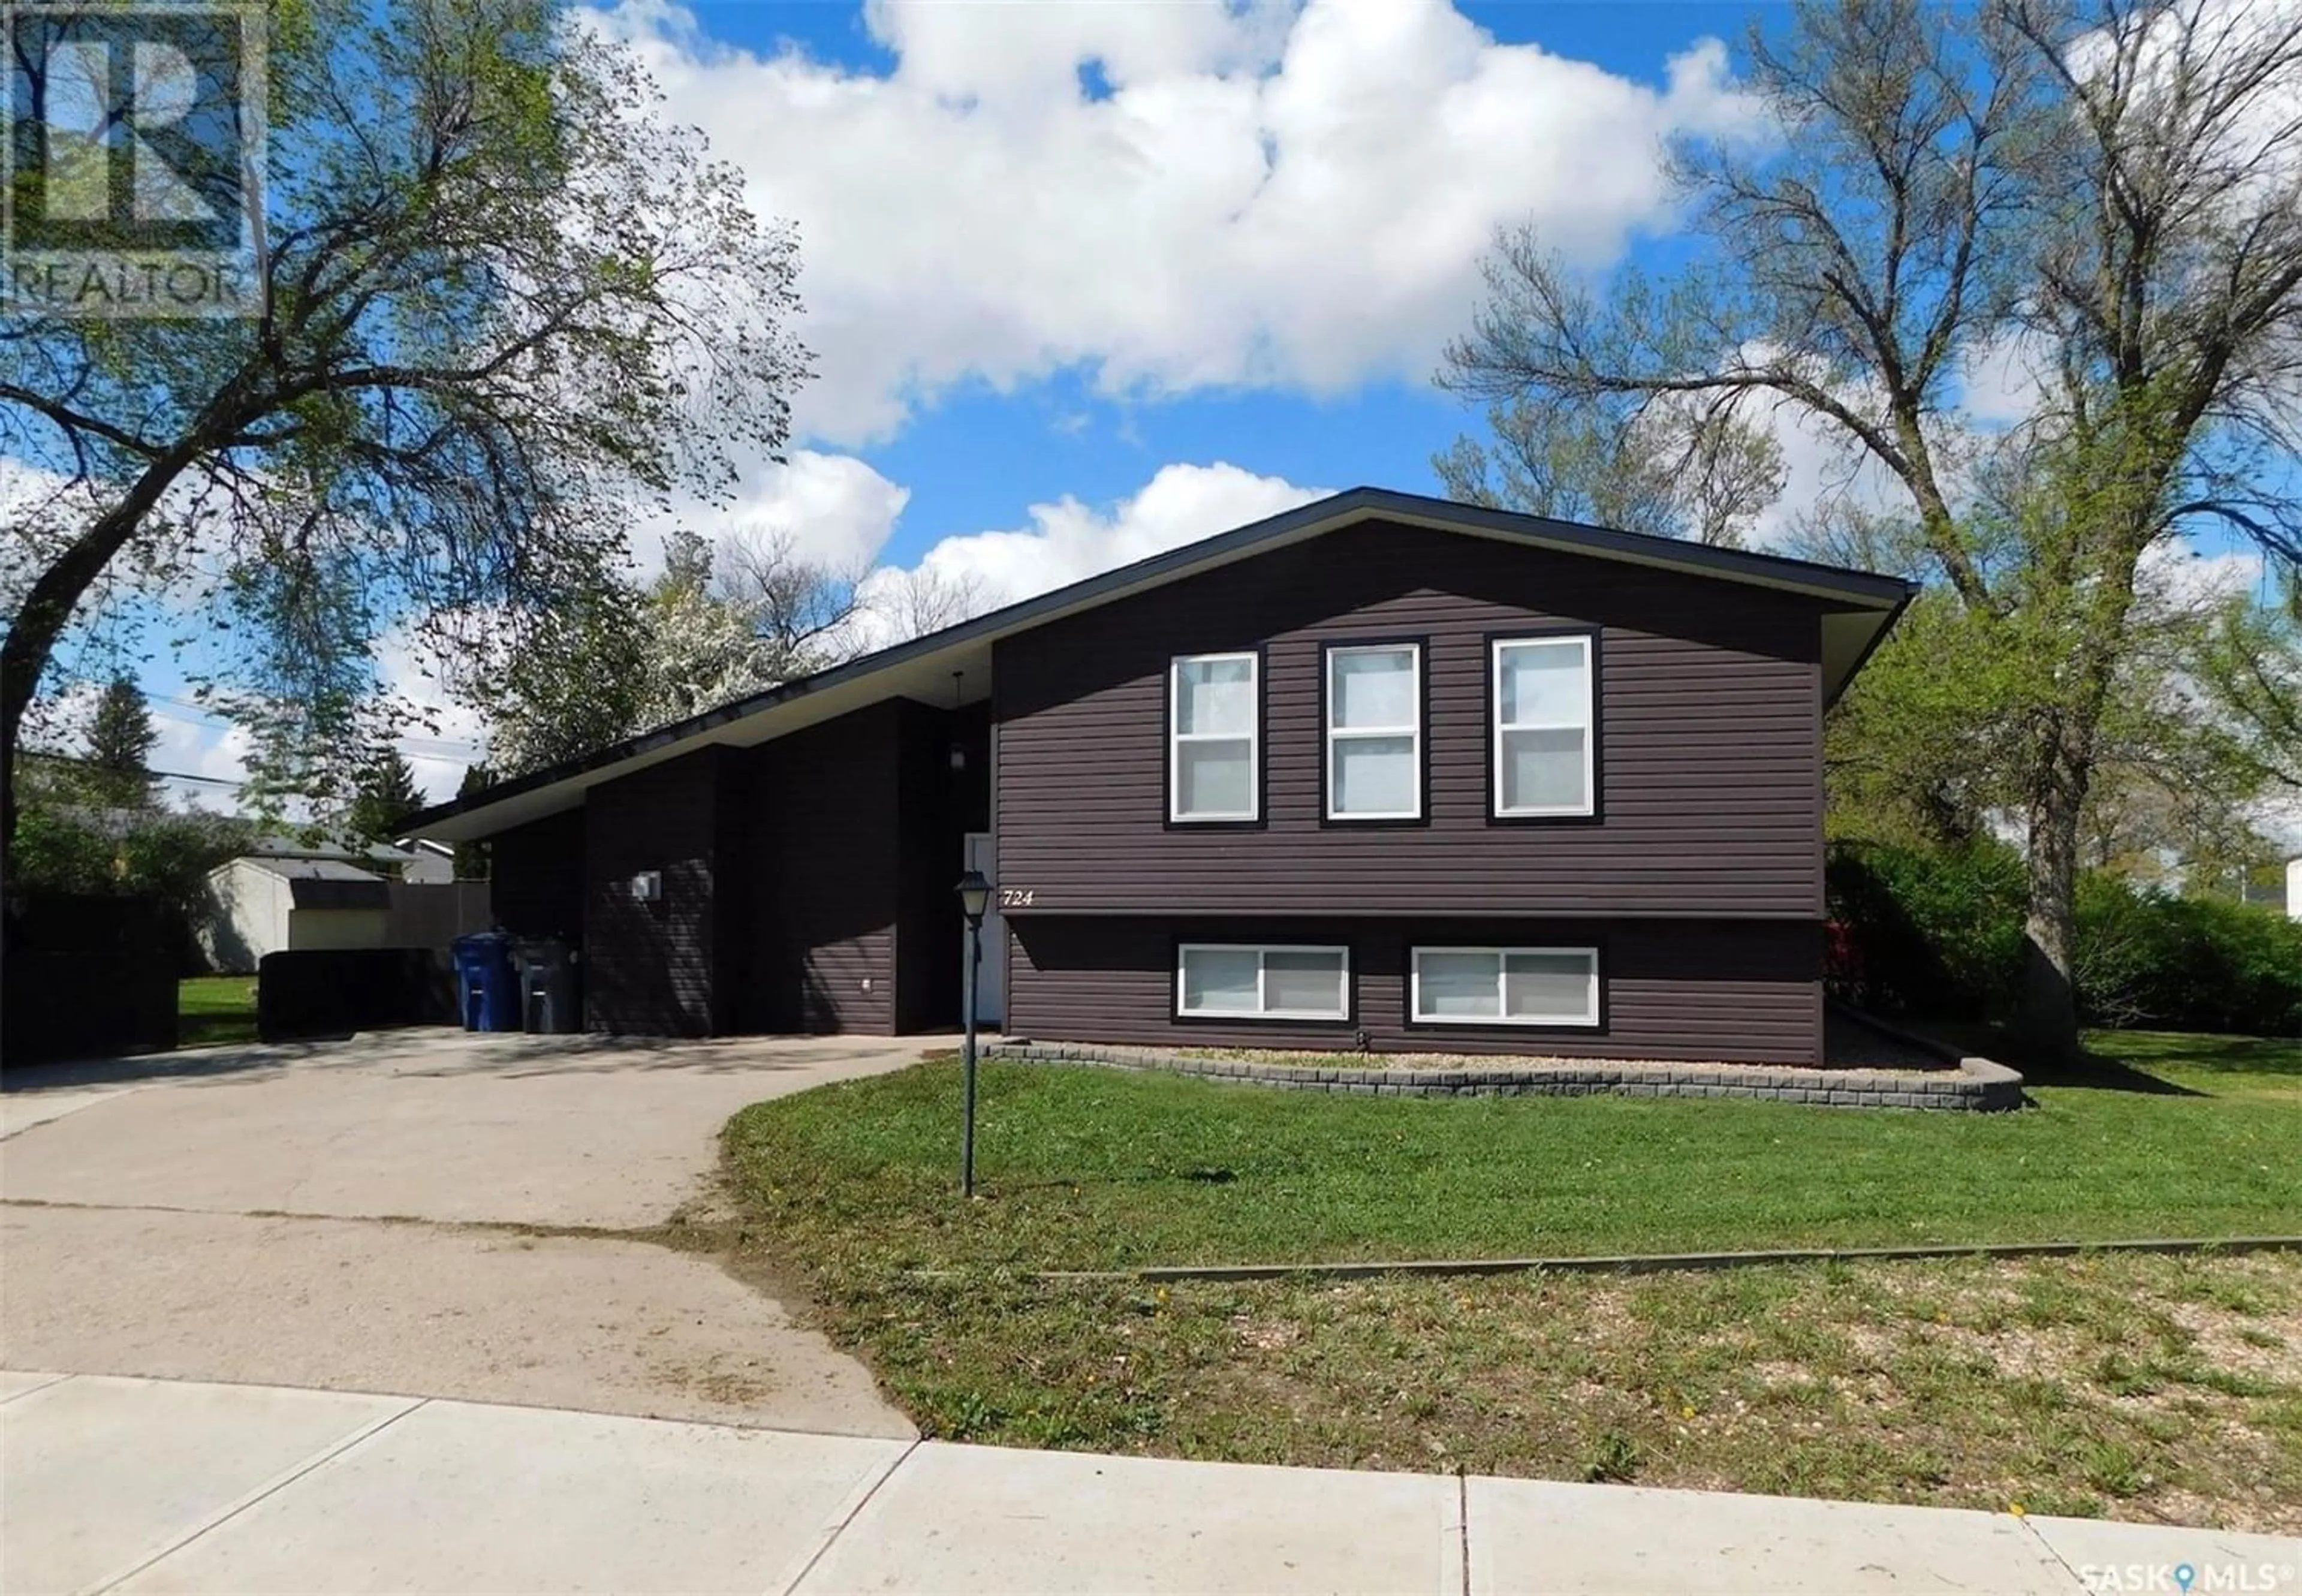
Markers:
point(1848, 1044)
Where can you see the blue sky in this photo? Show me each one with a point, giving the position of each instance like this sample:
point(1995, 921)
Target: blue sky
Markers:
point(1086, 279)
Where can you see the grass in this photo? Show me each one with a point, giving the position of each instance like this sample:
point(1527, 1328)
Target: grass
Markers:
point(2132, 1386)
point(211, 1009)
point(1099, 1169)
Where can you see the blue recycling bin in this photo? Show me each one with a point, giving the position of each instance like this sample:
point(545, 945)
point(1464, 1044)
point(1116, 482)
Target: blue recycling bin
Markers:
point(487, 989)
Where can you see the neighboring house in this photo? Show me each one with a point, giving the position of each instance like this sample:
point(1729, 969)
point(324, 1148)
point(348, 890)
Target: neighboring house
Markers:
point(428, 863)
point(273, 902)
point(1381, 771)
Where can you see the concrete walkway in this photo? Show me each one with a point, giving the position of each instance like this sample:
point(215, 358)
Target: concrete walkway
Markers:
point(110, 1483)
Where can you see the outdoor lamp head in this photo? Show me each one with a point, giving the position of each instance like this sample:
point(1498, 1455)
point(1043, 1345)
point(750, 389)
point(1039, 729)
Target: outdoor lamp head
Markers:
point(974, 897)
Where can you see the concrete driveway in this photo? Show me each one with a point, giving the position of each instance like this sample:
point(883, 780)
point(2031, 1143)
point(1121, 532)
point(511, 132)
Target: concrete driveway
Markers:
point(424, 1214)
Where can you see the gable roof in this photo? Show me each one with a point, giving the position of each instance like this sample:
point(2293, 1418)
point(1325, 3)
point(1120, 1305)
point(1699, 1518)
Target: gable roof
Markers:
point(315, 882)
point(1860, 606)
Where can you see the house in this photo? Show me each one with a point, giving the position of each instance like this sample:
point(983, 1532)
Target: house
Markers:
point(1382, 770)
point(289, 895)
point(428, 863)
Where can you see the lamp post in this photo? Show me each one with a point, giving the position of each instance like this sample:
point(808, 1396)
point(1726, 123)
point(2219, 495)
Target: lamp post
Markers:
point(974, 899)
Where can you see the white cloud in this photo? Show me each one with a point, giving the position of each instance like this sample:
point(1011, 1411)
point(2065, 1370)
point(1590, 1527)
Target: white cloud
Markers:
point(444, 734)
point(1068, 540)
point(2175, 570)
point(192, 743)
point(836, 510)
point(1266, 196)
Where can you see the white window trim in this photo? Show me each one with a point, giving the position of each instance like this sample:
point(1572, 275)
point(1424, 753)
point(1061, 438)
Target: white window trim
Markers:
point(1412, 731)
point(1262, 1011)
point(1177, 737)
point(1589, 1018)
point(1587, 726)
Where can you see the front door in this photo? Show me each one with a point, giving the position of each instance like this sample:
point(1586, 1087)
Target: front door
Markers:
point(991, 994)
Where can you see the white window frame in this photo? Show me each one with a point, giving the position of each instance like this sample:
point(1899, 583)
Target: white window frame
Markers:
point(1588, 1019)
point(1177, 737)
point(1588, 726)
point(1412, 731)
point(1183, 950)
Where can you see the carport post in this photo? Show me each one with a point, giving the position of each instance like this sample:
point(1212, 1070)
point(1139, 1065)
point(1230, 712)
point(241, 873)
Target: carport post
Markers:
point(974, 898)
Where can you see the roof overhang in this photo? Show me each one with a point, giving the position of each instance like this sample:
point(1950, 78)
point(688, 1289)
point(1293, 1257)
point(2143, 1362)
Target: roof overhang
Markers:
point(1861, 606)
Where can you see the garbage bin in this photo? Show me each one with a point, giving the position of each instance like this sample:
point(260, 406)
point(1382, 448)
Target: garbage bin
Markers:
point(547, 984)
point(487, 994)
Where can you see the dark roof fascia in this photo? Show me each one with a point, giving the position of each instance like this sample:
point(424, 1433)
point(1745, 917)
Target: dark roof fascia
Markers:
point(1910, 590)
point(1865, 589)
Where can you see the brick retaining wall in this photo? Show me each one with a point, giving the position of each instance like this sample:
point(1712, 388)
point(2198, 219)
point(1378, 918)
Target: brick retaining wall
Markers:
point(1976, 1084)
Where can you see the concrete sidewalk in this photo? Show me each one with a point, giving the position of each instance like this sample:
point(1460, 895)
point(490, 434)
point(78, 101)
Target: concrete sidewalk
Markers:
point(110, 1483)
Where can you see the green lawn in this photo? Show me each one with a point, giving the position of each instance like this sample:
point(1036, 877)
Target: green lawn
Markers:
point(1095, 1169)
point(211, 1009)
point(2128, 1386)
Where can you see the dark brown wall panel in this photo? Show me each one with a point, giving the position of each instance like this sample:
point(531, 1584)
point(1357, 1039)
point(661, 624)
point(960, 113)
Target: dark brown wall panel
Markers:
point(1710, 724)
point(648, 966)
point(816, 815)
point(1705, 991)
point(536, 878)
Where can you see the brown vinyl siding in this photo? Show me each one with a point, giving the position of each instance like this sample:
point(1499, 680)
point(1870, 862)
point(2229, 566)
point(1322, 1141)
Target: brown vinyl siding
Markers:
point(1710, 728)
point(648, 966)
point(1729, 992)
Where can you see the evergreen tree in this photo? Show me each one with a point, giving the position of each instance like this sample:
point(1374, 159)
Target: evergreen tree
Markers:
point(472, 858)
point(383, 795)
point(120, 741)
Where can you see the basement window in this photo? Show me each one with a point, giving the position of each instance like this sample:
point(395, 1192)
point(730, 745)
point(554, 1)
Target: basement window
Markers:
point(1241, 981)
point(1506, 986)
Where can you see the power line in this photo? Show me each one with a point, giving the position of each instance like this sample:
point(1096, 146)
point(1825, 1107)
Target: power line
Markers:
point(74, 758)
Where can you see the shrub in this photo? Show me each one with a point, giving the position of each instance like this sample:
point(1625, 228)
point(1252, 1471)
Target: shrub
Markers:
point(1938, 934)
point(2186, 964)
point(1932, 933)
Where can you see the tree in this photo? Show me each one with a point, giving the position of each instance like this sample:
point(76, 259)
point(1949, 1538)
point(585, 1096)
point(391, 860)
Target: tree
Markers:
point(626, 657)
point(472, 860)
point(1679, 470)
point(899, 605)
point(384, 794)
point(121, 736)
point(501, 307)
point(2104, 195)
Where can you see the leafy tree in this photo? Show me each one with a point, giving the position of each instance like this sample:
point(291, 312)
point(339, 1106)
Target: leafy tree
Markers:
point(66, 846)
point(2102, 193)
point(627, 657)
point(121, 736)
point(502, 306)
point(384, 794)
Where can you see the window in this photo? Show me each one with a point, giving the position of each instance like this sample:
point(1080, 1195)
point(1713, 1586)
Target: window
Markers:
point(1216, 979)
point(1215, 713)
point(1374, 733)
point(1543, 727)
point(1506, 986)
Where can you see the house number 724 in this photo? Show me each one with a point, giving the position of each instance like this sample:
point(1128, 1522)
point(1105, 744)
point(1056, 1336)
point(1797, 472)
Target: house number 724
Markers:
point(1014, 898)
